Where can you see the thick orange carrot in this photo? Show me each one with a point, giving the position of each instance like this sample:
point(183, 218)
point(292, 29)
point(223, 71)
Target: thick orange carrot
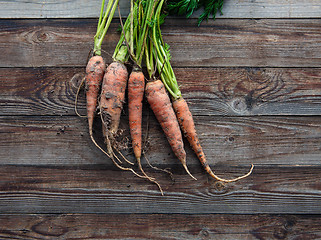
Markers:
point(186, 122)
point(136, 85)
point(95, 70)
point(113, 96)
point(161, 105)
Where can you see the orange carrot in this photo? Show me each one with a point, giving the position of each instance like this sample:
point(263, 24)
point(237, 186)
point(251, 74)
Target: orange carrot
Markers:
point(113, 96)
point(95, 70)
point(186, 122)
point(136, 85)
point(111, 104)
point(161, 105)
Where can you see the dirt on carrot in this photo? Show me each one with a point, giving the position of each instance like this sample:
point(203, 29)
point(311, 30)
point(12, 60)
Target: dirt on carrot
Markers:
point(113, 95)
point(161, 105)
point(95, 71)
point(136, 86)
point(186, 122)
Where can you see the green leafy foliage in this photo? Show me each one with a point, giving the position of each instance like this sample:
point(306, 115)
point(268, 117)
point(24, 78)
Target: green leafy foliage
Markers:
point(182, 7)
point(187, 7)
point(210, 8)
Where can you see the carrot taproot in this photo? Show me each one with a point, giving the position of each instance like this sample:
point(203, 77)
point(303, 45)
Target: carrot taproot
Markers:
point(140, 18)
point(161, 105)
point(95, 71)
point(96, 66)
point(136, 85)
point(186, 122)
point(113, 95)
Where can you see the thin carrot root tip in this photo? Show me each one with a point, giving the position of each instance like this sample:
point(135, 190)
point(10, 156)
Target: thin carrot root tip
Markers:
point(188, 172)
point(113, 156)
point(159, 169)
point(123, 157)
point(151, 179)
point(142, 170)
point(234, 179)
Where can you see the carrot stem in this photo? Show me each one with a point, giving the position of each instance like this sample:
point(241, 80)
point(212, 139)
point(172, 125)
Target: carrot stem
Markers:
point(103, 24)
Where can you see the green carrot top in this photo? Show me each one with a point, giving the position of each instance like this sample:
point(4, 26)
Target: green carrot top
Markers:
point(135, 30)
point(161, 53)
point(104, 23)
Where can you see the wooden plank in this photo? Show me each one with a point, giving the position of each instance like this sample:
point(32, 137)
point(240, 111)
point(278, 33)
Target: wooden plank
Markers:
point(231, 9)
point(228, 141)
point(159, 226)
point(225, 42)
point(209, 91)
point(273, 190)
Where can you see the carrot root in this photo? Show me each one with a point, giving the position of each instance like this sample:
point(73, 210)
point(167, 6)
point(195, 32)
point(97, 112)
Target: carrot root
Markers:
point(113, 95)
point(136, 85)
point(113, 160)
point(186, 122)
point(95, 70)
point(148, 177)
point(161, 105)
point(234, 179)
point(158, 169)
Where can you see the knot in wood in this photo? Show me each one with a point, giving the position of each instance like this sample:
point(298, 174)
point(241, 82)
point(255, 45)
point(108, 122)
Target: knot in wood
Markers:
point(204, 233)
point(280, 233)
point(41, 36)
point(239, 105)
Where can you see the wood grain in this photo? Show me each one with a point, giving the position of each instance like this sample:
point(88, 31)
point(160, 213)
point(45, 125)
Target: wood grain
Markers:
point(225, 42)
point(159, 226)
point(97, 189)
point(228, 141)
point(209, 91)
point(89, 9)
point(252, 80)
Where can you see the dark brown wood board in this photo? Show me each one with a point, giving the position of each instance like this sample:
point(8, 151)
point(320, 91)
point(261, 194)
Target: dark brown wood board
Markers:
point(103, 189)
point(238, 141)
point(159, 226)
point(209, 91)
point(252, 79)
point(224, 43)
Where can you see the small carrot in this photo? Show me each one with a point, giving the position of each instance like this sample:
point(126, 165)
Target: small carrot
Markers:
point(136, 85)
point(139, 26)
point(161, 105)
point(113, 95)
point(95, 70)
point(187, 125)
point(96, 66)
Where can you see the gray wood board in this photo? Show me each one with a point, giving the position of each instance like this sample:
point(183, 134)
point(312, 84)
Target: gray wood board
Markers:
point(91, 9)
point(293, 190)
point(208, 91)
point(228, 141)
point(156, 226)
point(225, 42)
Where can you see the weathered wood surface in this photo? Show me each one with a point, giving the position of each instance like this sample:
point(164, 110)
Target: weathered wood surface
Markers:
point(228, 141)
point(224, 42)
point(101, 189)
point(252, 80)
point(159, 226)
point(209, 91)
point(89, 9)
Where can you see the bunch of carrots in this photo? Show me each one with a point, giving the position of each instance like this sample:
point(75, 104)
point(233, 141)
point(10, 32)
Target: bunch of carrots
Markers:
point(140, 43)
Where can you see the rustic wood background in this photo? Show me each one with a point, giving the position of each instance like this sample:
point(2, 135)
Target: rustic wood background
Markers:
point(252, 79)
